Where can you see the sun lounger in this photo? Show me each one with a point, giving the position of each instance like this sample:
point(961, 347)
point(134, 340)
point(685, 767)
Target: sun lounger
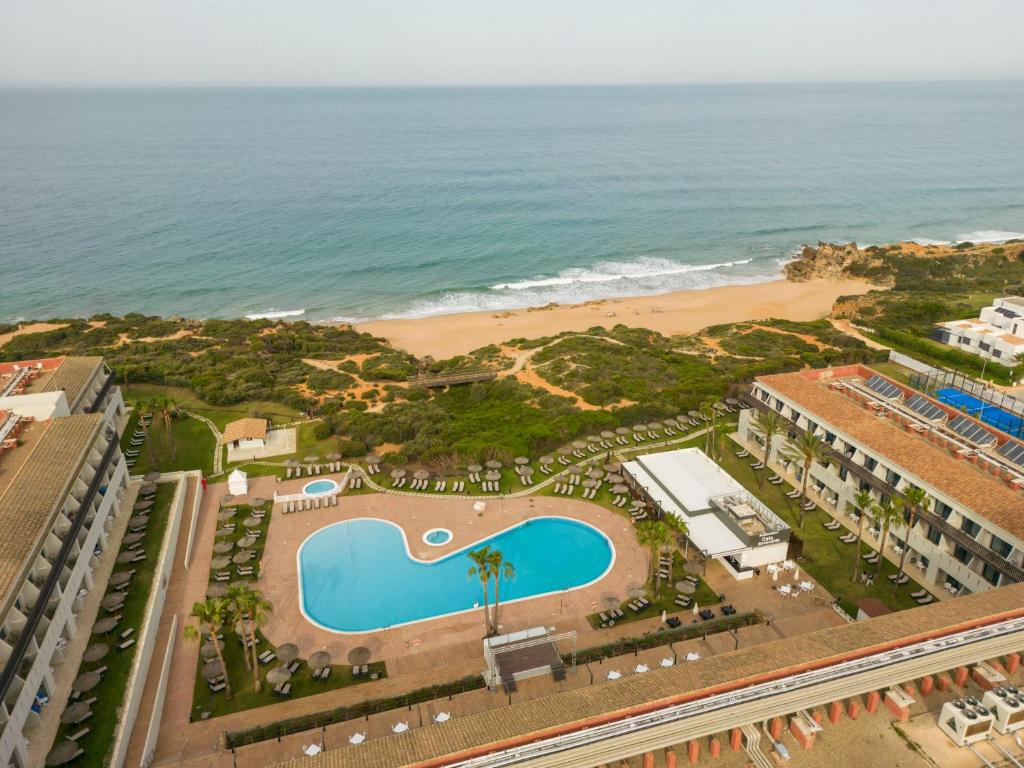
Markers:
point(757, 464)
point(683, 601)
point(794, 494)
point(919, 594)
point(808, 506)
point(776, 480)
point(126, 644)
point(924, 600)
point(899, 578)
point(871, 558)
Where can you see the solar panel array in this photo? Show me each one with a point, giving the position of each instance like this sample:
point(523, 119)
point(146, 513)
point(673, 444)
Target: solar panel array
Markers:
point(925, 407)
point(884, 387)
point(1013, 451)
point(971, 431)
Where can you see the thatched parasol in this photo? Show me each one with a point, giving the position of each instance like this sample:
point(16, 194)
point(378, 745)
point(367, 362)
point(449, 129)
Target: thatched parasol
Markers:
point(103, 626)
point(223, 547)
point(654, 426)
point(493, 464)
point(639, 427)
point(398, 474)
point(319, 660)
point(545, 460)
point(359, 655)
point(607, 434)
point(291, 462)
point(209, 650)
point(137, 521)
point(217, 590)
point(565, 450)
point(492, 476)
point(311, 458)
point(278, 675)
point(86, 681)
point(732, 401)
point(227, 498)
point(474, 468)
point(220, 563)
point(212, 669)
point(622, 430)
point(588, 483)
point(125, 557)
point(151, 477)
point(287, 652)
point(333, 456)
point(638, 504)
point(95, 652)
point(619, 489)
point(222, 532)
point(522, 461)
point(421, 474)
point(259, 501)
point(64, 752)
point(113, 600)
point(613, 477)
point(247, 542)
point(252, 522)
point(131, 538)
point(595, 474)
point(226, 514)
point(120, 577)
point(75, 713)
point(373, 459)
point(241, 557)
point(575, 469)
point(579, 444)
point(142, 506)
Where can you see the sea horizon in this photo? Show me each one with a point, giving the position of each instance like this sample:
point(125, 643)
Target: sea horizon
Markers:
point(354, 203)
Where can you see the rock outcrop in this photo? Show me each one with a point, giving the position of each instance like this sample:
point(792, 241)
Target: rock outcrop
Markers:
point(829, 261)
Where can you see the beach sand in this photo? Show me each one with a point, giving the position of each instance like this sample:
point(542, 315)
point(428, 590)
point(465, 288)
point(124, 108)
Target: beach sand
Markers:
point(684, 312)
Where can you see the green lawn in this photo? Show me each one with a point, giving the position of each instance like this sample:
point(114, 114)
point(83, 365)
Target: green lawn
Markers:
point(110, 692)
point(828, 560)
point(193, 446)
point(218, 414)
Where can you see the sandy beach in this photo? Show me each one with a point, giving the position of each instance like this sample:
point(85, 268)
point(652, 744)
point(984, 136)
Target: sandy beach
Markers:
point(684, 312)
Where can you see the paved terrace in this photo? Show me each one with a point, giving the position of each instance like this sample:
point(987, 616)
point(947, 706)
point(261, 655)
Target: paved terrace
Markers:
point(431, 652)
point(549, 716)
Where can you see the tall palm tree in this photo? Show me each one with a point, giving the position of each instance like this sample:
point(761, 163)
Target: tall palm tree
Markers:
point(481, 570)
point(721, 431)
point(805, 449)
point(655, 535)
point(887, 514)
point(167, 409)
point(209, 620)
point(863, 500)
point(147, 430)
point(707, 413)
point(917, 502)
point(250, 602)
point(500, 568)
point(768, 425)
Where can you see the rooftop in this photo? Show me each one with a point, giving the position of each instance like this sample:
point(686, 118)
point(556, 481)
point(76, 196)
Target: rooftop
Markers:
point(245, 429)
point(527, 721)
point(72, 377)
point(926, 464)
point(34, 481)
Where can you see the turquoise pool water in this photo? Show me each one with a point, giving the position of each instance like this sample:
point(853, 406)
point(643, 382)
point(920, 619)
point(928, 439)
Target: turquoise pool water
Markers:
point(358, 575)
point(319, 487)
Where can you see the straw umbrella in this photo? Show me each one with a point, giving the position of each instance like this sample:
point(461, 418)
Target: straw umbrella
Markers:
point(142, 506)
point(131, 538)
point(595, 439)
point(291, 463)
point(86, 681)
point(546, 460)
point(612, 466)
point(223, 547)
point(222, 532)
point(474, 468)
point(420, 474)
point(398, 474)
point(613, 477)
point(359, 655)
point(278, 675)
point(113, 600)
point(212, 669)
point(588, 483)
point(622, 431)
point(333, 456)
point(64, 752)
point(319, 660)
point(125, 557)
point(226, 499)
point(575, 469)
point(217, 590)
point(119, 578)
point(241, 557)
point(137, 521)
point(579, 445)
point(595, 474)
point(565, 450)
point(220, 563)
point(493, 464)
point(619, 489)
point(522, 461)
point(75, 713)
point(607, 434)
point(95, 652)
point(373, 459)
point(287, 652)
point(209, 650)
point(247, 542)
point(103, 626)
point(151, 477)
point(259, 501)
point(639, 427)
point(311, 458)
point(252, 522)
point(492, 476)
point(732, 401)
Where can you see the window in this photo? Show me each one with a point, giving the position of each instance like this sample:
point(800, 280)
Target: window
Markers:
point(990, 574)
point(843, 473)
point(870, 463)
point(969, 527)
point(933, 535)
point(943, 509)
point(962, 554)
point(892, 478)
point(984, 347)
point(1000, 547)
point(954, 583)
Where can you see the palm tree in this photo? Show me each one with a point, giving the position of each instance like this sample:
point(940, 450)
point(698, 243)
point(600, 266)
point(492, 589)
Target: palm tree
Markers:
point(481, 570)
point(721, 431)
point(500, 568)
point(209, 617)
point(917, 502)
point(143, 406)
point(250, 602)
point(886, 514)
point(707, 413)
point(167, 408)
point(655, 535)
point(768, 425)
point(863, 500)
point(806, 449)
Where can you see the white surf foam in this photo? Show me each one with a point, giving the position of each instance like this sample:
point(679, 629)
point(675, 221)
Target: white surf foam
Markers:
point(276, 314)
point(608, 272)
point(989, 236)
point(928, 241)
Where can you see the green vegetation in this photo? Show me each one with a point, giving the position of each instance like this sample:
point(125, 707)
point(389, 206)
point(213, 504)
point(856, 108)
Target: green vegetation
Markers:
point(110, 692)
point(193, 446)
point(342, 714)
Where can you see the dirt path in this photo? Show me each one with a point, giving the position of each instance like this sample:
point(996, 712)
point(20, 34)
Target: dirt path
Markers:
point(31, 328)
point(847, 327)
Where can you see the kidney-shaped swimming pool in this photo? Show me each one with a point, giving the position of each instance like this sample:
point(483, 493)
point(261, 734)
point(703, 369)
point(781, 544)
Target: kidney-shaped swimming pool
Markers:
point(359, 576)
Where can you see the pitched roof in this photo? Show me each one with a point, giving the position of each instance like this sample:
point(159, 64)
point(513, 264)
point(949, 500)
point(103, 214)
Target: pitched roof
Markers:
point(72, 376)
point(37, 491)
point(246, 429)
point(928, 464)
point(534, 719)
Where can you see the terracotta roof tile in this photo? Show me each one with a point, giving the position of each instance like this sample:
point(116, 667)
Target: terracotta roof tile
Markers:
point(246, 429)
point(72, 376)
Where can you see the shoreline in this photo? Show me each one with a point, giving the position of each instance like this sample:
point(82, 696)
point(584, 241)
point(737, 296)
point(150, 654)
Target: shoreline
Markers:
point(677, 313)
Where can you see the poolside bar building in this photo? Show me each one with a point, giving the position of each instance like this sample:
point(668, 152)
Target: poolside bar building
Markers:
point(883, 437)
point(723, 521)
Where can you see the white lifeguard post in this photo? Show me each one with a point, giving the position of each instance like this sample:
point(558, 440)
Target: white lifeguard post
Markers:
point(238, 483)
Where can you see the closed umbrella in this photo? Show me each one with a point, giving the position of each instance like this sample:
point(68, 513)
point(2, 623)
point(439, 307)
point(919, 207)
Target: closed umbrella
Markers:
point(359, 655)
point(278, 675)
point(287, 652)
point(212, 669)
point(76, 713)
point(95, 652)
point(151, 477)
point(400, 727)
point(312, 750)
point(86, 681)
point(64, 752)
point(319, 660)
point(493, 464)
point(442, 717)
point(113, 600)
point(357, 738)
point(119, 578)
point(103, 626)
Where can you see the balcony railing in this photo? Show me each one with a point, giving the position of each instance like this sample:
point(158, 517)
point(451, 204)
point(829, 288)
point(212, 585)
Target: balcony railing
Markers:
point(104, 391)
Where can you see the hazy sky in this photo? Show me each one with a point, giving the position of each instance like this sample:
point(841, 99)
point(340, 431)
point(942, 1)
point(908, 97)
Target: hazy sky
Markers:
point(433, 42)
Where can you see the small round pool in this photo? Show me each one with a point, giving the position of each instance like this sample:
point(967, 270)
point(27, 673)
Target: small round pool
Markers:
point(320, 488)
point(437, 537)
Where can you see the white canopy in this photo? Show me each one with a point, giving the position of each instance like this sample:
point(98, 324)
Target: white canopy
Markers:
point(238, 483)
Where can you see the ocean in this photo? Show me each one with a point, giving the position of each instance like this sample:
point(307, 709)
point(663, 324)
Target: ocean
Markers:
point(354, 204)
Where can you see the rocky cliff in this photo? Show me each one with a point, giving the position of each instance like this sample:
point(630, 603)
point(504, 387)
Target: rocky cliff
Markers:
point(828, 261)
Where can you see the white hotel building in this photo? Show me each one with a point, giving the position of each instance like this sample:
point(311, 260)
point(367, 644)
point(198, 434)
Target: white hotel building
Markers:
point(62, 477)
point(884, 437)
point(997, 334)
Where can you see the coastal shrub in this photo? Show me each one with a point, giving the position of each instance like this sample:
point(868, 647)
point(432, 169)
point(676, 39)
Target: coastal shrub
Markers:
point(388, 366)
point(350, 449)
point(322, 430)
point(323, 381)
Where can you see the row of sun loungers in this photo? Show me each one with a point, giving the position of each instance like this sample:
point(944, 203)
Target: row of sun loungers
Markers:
point(305, 505)
point(565, 489)
point(283, 690)
point(609, 618)
point(361, 671)
point(474, 477)
point(794, 494)
point(314, 469)
point(776, 480)
point(620, 501)
point(832, 525)
point(419, 485)
point(490, 486)
point(321, 675)
point(355, 483)
point(683, 601)
point(372, 469)
point(266, 657)
point(922, 597)
point(639, 604)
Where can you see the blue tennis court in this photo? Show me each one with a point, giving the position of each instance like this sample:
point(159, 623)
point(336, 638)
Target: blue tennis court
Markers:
point(990, 414)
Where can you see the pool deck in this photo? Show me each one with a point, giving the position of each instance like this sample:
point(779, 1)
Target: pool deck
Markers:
point(279, 579)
